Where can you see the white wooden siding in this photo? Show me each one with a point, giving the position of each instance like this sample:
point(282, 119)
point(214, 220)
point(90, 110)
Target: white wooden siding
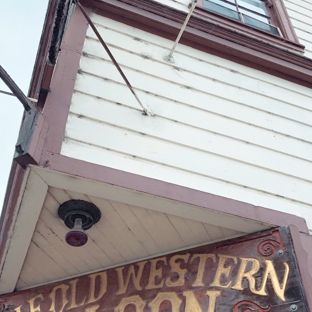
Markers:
point(181, 5)
point(220, 127)
point(124, 234)
point(300, 12)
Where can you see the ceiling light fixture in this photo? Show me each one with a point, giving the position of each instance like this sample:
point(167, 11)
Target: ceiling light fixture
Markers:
point(78, 216)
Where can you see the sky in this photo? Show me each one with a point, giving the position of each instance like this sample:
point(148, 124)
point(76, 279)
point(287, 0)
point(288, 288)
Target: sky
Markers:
point(20, 28)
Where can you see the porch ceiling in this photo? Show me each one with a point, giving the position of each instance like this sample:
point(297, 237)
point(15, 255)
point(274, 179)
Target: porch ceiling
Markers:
point(124, 234)
point(133, 226)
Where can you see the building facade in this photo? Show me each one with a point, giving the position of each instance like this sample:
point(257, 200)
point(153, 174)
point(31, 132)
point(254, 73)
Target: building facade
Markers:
point(217, 147)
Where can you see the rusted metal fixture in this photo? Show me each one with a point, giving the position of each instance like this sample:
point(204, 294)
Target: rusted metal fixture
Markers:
point(78, 216)
point(168, 58)
point(16, 90)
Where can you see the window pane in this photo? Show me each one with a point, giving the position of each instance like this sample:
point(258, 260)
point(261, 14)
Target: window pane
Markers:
point(255, 16)
point(264, 26)
point(254, 5)
point(221, 9)
point(230, 4)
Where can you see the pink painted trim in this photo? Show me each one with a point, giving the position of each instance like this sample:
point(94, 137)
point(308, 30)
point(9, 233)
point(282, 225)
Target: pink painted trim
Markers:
point(171, 191)
point(10, 205)
point(62, 84)
point(303, 249)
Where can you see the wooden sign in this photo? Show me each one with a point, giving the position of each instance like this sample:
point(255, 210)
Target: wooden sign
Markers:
point(254, 273)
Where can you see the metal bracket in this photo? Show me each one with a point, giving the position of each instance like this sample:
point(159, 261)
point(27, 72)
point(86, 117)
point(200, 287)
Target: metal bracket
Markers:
point(169, 57)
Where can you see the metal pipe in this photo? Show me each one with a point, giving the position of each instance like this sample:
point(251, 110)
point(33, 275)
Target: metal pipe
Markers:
point(12, 94)
point(145, 110)
point(182, 29)
point(16, 90)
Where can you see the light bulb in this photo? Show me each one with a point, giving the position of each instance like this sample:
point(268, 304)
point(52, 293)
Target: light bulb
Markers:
point(76, 237)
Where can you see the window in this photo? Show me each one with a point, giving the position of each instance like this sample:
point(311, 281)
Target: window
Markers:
point(265, 19)
point(255, 13)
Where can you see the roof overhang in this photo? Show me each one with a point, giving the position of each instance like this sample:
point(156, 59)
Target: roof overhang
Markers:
point(32, 194)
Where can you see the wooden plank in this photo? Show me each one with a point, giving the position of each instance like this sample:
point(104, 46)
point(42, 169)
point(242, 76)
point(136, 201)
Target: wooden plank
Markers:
point(178, 5)
point(199, 231)
point(151, 226)
point(116, 236)
point(215, 104)
point(298, 25)
point(191, 91)
point(179, 177)
point(165, 227)
point(213, 231)
point(21, 284)
point(275, 125)
point(140, 199)
point(201, 139)
point(187, 70)
point(183, 229)
point(31, 275)
point(136, 227)
point(302, 15)
point(147, 43)
point(197, 118)
point(44, 264)
point(307, 5)
point(119, 228)
point(33, 198)
point(157, 151)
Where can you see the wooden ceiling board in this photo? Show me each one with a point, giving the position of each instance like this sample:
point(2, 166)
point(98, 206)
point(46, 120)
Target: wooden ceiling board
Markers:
point(125, 233)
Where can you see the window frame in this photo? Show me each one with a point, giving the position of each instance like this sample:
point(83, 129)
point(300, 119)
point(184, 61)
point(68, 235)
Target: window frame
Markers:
point(278, 15)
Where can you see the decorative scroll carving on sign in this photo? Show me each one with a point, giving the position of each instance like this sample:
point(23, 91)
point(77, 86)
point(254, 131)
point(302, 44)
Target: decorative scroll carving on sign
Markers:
point(265, 248)
point(268, 247)
point(252, 304)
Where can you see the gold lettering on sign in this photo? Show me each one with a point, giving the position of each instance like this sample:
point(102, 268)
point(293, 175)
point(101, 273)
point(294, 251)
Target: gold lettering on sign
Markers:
point(31, 302)
point(192, 305)
point(222, 270)
point(73, 288)
point(249, 274)
point(279, 289)
point(18, 309)
point(175, 268)
point(201, 267)
point(135, 300)
point(103, 286)
point(170, 296)
point(93, 308)
point(63, 289)
point(136, 278)
point(154, 272)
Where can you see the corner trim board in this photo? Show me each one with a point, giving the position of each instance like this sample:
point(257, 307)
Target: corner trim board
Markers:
point(21, 229)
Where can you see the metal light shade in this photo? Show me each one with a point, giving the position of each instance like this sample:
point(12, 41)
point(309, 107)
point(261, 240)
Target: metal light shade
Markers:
point(78, 216)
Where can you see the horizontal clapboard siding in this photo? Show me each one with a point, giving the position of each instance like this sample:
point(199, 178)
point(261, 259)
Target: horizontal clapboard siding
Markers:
point(219, 127)
point(300, 13)
point(181, 5)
